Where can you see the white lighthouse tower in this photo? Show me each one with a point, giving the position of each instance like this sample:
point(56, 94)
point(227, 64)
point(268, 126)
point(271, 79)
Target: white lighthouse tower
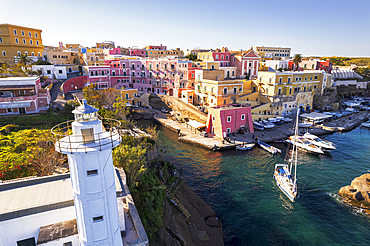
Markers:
point(89, 145)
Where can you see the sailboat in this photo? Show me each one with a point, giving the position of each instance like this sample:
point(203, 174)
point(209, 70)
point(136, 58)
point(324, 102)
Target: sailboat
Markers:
point(283, 172)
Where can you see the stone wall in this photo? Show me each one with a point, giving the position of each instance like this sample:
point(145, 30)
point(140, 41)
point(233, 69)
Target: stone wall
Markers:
point(187, 110)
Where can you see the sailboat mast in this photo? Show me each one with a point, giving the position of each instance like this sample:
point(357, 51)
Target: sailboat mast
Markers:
point(296, 152)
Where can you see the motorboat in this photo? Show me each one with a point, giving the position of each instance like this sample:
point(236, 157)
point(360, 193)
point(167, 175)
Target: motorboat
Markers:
point(267, 125)
point(258, 126)
point(366, 124)
point(304, 144)
point(283, 177)
point(324, 144)
point(245, 146)
point(269, 148)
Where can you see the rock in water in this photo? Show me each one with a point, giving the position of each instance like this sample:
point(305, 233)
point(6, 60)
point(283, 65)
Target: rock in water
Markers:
point(358, 192)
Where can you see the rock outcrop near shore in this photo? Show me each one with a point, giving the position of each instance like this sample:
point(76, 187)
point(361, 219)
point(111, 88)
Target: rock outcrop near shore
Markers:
point(202, 228)
point(358, 193)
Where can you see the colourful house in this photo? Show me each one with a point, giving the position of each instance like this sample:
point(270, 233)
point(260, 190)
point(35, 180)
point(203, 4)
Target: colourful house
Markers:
point(23, 95)
point(223, 120)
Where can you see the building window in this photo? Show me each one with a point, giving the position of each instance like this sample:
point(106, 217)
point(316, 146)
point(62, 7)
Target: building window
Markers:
point(288, 80)
point(4, 53)
point(92, 172)
point(9, 110)
point(35, 34)
point(16, 41)
point(27, 242)
point(97, 219)
point(32, 53)
point(243, 117)
point(290, 90)
point(213, 118)
point(279, 91)
point(216, 57)
point(1, 40)
point(67, 244)
point(316, 77)
point(24, 41)
point(280, 80)
point(26, 53)
point(60, 71)
point(31, 42)
point(228, 118)
point(225, 91)
point(15, 32)
point(228, 130)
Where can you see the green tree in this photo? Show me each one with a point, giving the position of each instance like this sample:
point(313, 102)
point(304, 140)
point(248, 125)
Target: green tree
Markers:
point(192, 57)
point(296, 60)
point(41, 62)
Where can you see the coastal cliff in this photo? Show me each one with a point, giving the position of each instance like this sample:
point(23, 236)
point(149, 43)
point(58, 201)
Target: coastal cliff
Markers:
point(201, 228)
point(358, 193)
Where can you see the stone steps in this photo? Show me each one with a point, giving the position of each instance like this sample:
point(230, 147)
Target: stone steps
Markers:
point(179, 205)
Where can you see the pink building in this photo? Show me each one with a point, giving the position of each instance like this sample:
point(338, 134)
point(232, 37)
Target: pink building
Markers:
point(247, 62)
point(226, 119)
point(137, 52)
point(115, 51)
point(23, 95)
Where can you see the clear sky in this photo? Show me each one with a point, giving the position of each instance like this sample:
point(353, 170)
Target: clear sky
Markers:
point(312, 27)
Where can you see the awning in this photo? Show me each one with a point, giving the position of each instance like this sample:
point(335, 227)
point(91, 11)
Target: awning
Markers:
point(16, 87)
point(195, 124)
point(316, 116)
point(24, 104)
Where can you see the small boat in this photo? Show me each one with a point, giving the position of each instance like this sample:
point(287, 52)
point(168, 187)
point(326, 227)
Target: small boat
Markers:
point(267, 125)
point(245, 146)
point(273, 150)
point(258, 126)
point(283, 172)
point(366, 124)
point(304, 144)
point(326, 145)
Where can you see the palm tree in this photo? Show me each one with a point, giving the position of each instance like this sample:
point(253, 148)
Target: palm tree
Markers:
point(296, 60)
point(23, 59)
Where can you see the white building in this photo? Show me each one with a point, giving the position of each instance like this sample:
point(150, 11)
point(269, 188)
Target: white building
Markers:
point(57, 71)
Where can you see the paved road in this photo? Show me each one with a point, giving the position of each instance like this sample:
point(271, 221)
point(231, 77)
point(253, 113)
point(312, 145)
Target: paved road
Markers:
point(55, 90)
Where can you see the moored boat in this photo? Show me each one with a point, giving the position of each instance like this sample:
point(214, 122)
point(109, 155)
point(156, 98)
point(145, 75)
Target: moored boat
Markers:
point(326, 145)
point(245, 146)
point(269, 148)
point(304, 144)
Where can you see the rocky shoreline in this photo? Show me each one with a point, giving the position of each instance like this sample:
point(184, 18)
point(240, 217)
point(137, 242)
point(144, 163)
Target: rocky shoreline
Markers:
point(201, 228)
point(358, 193)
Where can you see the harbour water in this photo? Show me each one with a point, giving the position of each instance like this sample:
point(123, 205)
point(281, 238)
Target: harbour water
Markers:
point(239, 186)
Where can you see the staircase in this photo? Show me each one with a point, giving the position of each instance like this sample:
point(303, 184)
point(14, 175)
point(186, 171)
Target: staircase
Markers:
point(177, 202)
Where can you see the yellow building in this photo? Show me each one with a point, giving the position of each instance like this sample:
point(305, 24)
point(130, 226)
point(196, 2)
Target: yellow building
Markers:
point(57, 56)
point(15, 40)
point(275, 53)
point(155, 53)
point(288, 90)
point(212, 90)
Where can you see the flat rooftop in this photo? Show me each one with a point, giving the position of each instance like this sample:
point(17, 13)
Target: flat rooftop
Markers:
point(25, 197)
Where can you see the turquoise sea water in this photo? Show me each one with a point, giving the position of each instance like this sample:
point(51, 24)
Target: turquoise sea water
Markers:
point(240, 188)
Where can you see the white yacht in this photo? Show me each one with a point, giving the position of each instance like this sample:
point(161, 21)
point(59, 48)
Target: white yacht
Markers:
point(326, 145)
point(284, 179)
point(304, 144)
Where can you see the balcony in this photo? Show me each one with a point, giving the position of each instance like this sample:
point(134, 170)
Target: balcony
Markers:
point(67, 143)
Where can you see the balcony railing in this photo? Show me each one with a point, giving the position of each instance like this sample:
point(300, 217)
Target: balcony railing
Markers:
point(67, 142)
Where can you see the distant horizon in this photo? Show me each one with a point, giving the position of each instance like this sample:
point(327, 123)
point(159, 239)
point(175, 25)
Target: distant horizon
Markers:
point(317, 28)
